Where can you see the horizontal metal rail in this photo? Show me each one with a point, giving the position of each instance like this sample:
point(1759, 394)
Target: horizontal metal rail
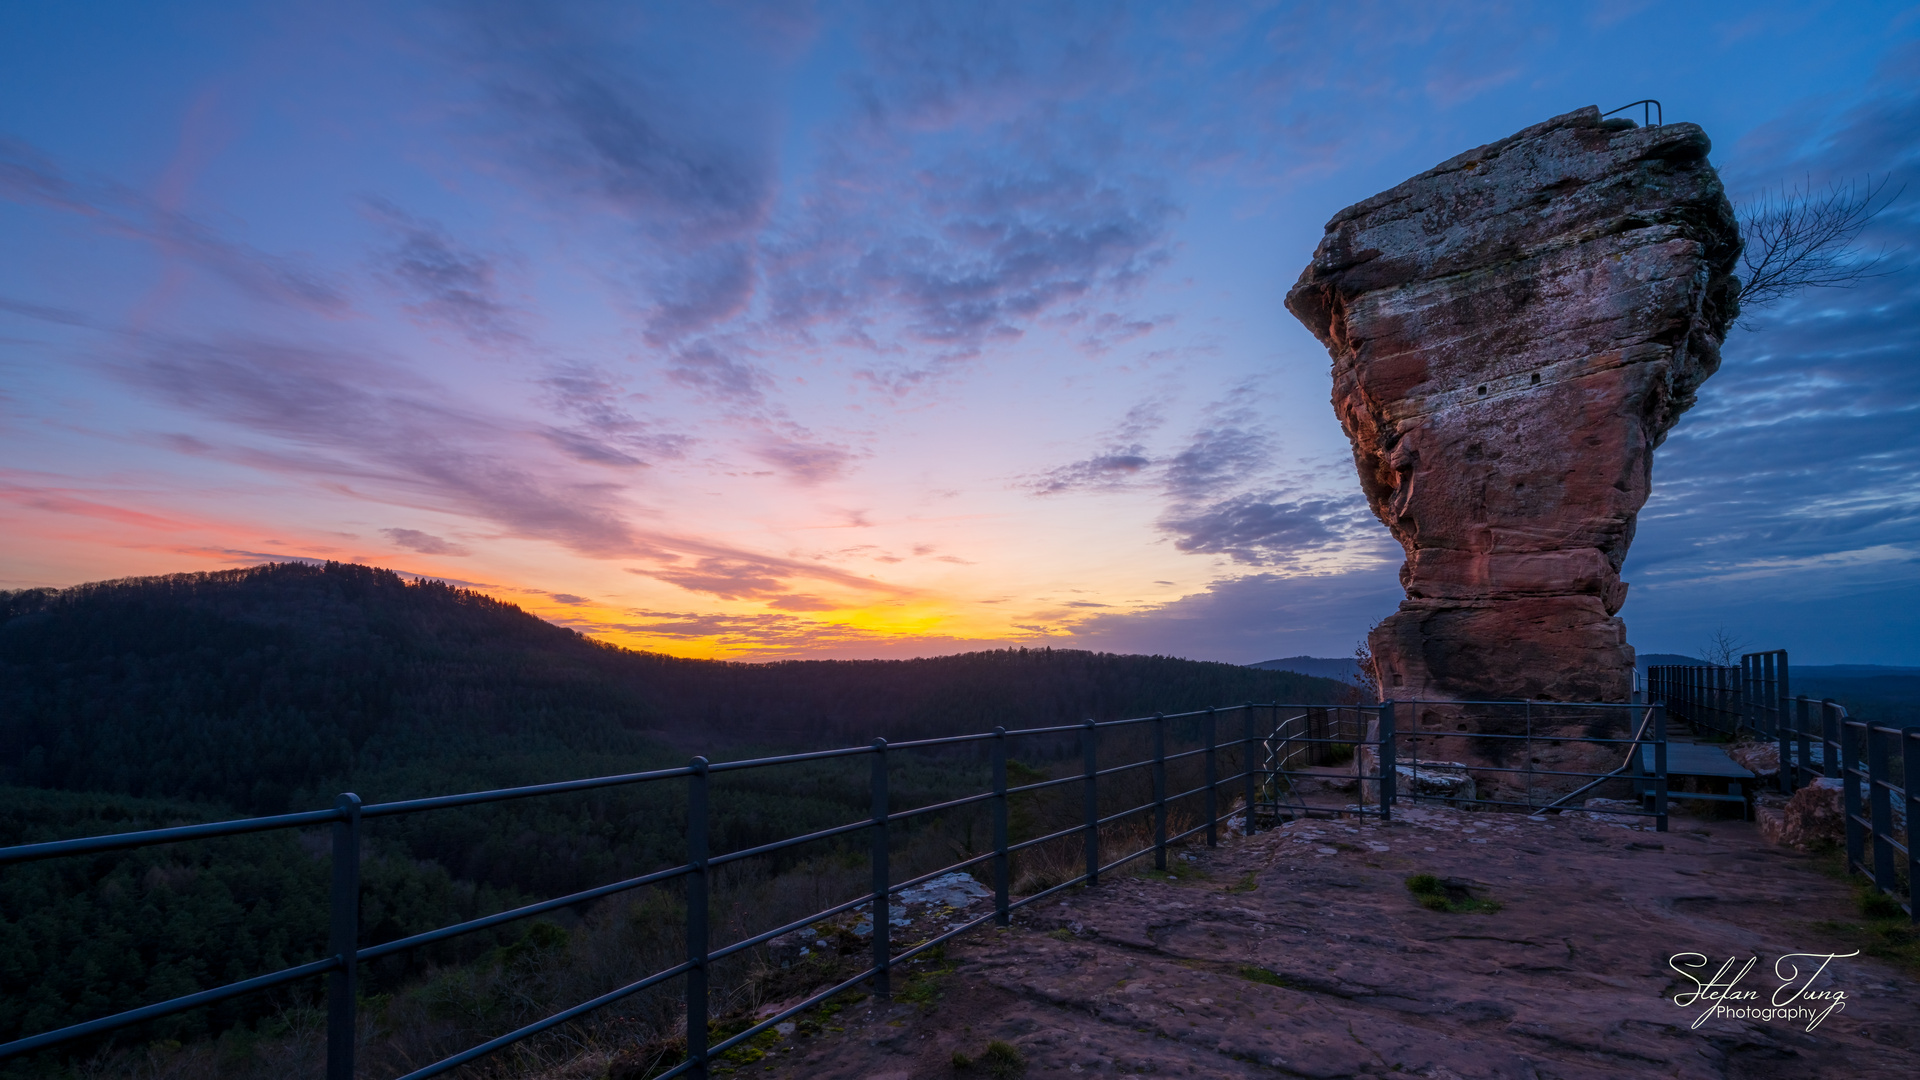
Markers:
point(1042, 785)
point(475, 798)
point(165, 1008)
point(538, 1026)
point(765, 936)
point(934, 808)
point(1071, 830)
point(1651, 114)
point(375, 952)
point(782, 845)
point(89, 845)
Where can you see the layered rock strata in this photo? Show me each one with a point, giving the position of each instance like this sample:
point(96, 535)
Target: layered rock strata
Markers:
point(1513, 332)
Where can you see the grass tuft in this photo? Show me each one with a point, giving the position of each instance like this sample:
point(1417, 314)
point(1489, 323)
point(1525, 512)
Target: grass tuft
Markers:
point(1000, 1060)
point(1262, 975)
point(1875, 904)
point(923, 987)
point(1178, 872)
point(1448, 894)
point(1003, 1060)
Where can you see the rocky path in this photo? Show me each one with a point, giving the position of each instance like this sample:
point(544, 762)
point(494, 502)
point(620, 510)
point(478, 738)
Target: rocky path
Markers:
point(1300, 952)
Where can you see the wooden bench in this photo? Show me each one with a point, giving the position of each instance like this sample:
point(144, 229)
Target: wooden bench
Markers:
point(1701, 760)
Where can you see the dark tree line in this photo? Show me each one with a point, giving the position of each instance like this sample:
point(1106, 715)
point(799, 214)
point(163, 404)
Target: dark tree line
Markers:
point(268, 688)
point(155, 701)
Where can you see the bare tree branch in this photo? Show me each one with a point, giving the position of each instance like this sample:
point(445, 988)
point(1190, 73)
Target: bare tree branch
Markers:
point(1803, 238)
point(1722, 649)
point(1369, 675)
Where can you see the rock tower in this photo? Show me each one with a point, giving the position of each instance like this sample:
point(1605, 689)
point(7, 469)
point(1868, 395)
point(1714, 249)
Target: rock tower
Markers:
point(1512, 333)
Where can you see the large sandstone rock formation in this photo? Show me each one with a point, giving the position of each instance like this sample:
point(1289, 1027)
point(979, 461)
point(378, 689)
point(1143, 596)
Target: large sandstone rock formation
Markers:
point(1512, 333)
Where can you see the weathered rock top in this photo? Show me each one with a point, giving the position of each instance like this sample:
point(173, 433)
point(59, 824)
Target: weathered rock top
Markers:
point(1566, 180)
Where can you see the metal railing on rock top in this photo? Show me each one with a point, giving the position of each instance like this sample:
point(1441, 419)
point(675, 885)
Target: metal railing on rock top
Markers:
point(1817, 741)
point(1650, 112)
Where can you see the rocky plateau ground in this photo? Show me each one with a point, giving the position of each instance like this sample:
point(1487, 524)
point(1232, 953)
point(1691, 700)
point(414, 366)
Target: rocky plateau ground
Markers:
point(1301, 952)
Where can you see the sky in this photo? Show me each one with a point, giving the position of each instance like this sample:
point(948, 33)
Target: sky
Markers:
point(769, 330)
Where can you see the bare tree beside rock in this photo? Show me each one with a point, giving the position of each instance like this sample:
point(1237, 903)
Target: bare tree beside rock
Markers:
point(1802, 237)
point(1722, 648)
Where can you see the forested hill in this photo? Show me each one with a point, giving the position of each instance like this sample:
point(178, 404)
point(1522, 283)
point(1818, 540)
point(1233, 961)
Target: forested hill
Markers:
point(269, 687)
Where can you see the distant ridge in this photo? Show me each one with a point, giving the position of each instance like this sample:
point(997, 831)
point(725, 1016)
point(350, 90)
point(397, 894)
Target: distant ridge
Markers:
point(1665, 659)
point(259, 688)
point(166, 700)
point(1344, 669)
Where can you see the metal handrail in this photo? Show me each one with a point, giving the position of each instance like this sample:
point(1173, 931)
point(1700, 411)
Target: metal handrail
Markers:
point(348, 813)
point(1648, 108)
point(1652, 783)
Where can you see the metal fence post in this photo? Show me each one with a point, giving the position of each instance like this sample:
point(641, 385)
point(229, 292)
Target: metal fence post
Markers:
point(1160, 791)
point(1248, 757)
point(1880, 805)
point(1910, 758)
point(1090, 759)
point(1786, 683)
point(697, 939)
point(1213, 784)
point(1659, 767)
point(1802, 749)
point(1829, 738)
point(1710, 696)
point(882, 878)
point(1742, 708)
point(1850, 795)
point(1782, 731)
point(343, 939)
point(1389, 777)
point(1749, 700)
point(1001, 871)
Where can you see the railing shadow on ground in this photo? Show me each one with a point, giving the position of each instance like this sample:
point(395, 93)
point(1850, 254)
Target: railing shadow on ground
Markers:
point(1876, 765)
point(1214, 740)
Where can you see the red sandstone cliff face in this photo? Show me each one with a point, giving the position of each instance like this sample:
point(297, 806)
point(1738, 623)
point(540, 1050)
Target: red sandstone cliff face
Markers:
point(1512, 334)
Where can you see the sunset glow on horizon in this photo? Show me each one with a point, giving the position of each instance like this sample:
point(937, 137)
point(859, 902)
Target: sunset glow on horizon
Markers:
point(761, 331)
